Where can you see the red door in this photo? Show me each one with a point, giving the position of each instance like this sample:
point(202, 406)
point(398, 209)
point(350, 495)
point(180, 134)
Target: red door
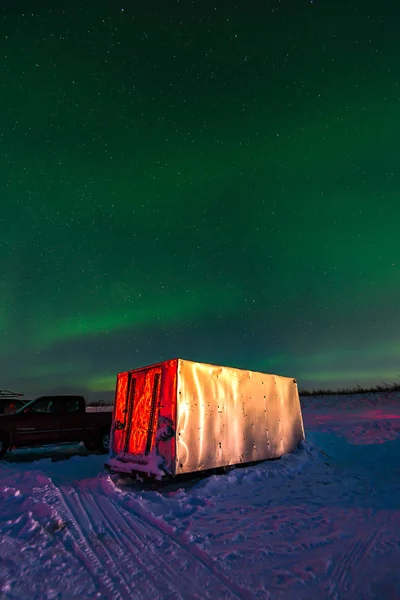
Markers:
point(136, 411)
point(119, 417)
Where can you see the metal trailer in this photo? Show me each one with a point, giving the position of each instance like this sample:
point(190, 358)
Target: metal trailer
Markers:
point(180, 417)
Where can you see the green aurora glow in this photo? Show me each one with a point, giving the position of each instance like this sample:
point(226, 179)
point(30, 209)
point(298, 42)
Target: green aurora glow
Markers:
point(203, 180)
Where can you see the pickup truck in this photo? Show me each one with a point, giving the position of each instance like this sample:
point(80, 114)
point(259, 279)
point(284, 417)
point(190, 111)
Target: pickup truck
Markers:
point(55, 420)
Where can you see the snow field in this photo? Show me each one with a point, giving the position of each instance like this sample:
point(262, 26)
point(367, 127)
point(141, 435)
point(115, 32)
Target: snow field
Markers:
point(323, 522)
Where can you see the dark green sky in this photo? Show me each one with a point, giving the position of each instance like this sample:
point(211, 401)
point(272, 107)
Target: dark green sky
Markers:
point(217, 181)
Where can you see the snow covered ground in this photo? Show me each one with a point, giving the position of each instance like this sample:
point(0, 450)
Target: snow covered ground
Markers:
point(323, 522)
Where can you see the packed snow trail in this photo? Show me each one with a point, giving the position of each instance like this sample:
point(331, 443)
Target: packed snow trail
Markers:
point(142, 552)
point(323, 522)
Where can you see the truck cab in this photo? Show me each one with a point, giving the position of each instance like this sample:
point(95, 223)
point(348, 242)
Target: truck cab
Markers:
point(55, 420)
point(41, 421)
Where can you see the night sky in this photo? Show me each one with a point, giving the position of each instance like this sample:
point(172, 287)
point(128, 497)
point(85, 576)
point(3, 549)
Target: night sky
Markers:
point(217, 181)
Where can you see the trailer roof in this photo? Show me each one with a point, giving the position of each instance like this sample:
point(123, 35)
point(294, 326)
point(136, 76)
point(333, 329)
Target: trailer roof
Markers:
point(158, 364)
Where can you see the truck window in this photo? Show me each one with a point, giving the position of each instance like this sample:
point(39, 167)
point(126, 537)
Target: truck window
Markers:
point(72, 405)
point(47, 406)
point(41, 406)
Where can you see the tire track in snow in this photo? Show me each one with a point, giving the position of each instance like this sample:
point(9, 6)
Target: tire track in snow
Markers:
point(80, 548)
point(119, 548)
point(340, 578)
point(135, 513)
point(132, 543)
point(102, 551)
point(139, 568)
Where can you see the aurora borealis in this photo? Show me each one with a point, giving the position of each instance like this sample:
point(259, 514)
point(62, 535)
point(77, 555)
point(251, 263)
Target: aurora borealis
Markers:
point(217, 181)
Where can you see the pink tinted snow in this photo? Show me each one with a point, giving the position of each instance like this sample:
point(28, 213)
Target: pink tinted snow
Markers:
point(360, 424)
point(323, 522)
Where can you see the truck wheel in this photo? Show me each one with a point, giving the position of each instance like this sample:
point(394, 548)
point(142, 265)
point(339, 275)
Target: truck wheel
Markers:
point(4, 443)
point(104, 444)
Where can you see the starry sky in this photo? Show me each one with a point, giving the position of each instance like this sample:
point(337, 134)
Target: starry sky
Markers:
point(217, 181)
